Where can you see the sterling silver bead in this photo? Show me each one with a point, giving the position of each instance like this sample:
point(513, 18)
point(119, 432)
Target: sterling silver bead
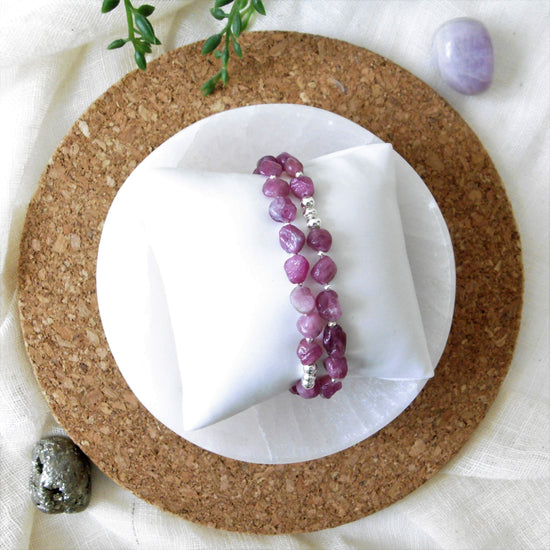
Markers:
point(310, 370)
point(313, 223)
point(308, 202)
point(308, 381)
point(310, 213)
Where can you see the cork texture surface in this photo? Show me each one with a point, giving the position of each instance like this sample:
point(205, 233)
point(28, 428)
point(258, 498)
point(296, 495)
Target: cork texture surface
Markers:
point(69, 352)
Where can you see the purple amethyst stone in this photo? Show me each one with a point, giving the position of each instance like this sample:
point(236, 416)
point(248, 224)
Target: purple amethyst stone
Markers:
point(463, 52)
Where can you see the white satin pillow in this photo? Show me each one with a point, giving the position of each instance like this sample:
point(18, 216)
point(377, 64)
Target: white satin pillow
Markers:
point(205, 329)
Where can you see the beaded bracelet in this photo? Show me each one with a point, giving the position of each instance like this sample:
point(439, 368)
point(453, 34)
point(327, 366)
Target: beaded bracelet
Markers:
point(318, 313)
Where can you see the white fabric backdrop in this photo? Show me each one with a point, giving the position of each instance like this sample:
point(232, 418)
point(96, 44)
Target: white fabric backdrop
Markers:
point(495, 494)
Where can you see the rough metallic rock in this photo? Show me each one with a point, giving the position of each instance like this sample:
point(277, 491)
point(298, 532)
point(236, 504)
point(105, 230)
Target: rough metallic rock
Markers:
point(61, 476)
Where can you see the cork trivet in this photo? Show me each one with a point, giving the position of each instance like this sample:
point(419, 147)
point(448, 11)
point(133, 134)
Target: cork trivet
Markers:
point(68, 349)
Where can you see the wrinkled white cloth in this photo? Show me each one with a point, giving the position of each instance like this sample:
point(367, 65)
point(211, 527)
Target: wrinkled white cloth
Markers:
point(494, 494)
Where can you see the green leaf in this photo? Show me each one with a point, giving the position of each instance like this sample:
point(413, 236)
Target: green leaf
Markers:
point(211, 43)
point(109, 5)
point(237, 48)
point(220, 3)
point(218, 54)
point(236, 27)
point(116, 44)
point(218, 13)
point(145, 28)
point(146, 10)
point(225, 56)
point(258, 6)
point(140, 60)
point(142, 46)
point(208, 87)
point(225, 75)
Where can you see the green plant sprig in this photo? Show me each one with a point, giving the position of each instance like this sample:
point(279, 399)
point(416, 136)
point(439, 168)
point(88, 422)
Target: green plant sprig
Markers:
point(237, 20)
point(140, 31)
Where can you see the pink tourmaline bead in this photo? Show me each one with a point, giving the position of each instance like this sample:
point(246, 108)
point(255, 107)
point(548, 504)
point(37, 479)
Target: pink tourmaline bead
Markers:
point(327, 387)
point(268, 157)
point(309, 352)
point(302, 186)
point(308, 394)
point(337, 367)
point(293, 166)
point(281, 159)
point(334, 340)
point(296, 268)
point(324, 270)
point(293, 389)
point(268, 167)
point(319, 239)
point(291, 239)
point(282, 209)
point(310, 325)
point(328, 306)
point(302, 299)
point(275, 187)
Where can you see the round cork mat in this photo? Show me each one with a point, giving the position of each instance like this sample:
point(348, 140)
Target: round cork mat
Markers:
point(68, 349)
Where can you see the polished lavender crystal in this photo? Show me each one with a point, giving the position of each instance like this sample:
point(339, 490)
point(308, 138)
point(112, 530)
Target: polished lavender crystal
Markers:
point(308, 394)
point(296, 269)
point(327, 388)
point(310, 325)
point(275, 187)
point(324, 270)
point(464, 55)
point(302, 186)
point(268, 166)
point(337, 367)
point(328, 306)
point(334, 340)
point(302, 299)
point(291, 239)
point(282, 209)
point(309, 352)
point(319, 239)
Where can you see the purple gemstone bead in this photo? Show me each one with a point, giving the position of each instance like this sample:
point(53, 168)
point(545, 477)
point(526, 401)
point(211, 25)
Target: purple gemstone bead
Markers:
point(281, 159)
point(282, 209)
point(256, 171)
point(293, 389)
point(309, 352)
point(308, 394)
point(327, 388)
point(293, 166)
point(319, 239)
point(302, 186)
point(328, 306)
point(291, 239)
point(275, 187)
point(464, 55)
point(324, 270)
point(337, 367)
point(310, 325)
point(302, 299)
point(268, 167)
point(296, 268)
point(334, 340)
point(268, 157)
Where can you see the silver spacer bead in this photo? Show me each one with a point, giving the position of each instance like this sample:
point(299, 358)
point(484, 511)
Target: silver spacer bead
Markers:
point(321, 253)
point(310, 213)
point(332, 323)
point(308, 202)
point(272, 177)
point(308, 381)
point(310, 370)
point(298, 174)
point(314, 223)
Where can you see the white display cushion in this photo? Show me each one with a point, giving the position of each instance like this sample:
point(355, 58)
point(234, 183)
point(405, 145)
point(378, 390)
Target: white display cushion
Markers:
point(194, 299)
